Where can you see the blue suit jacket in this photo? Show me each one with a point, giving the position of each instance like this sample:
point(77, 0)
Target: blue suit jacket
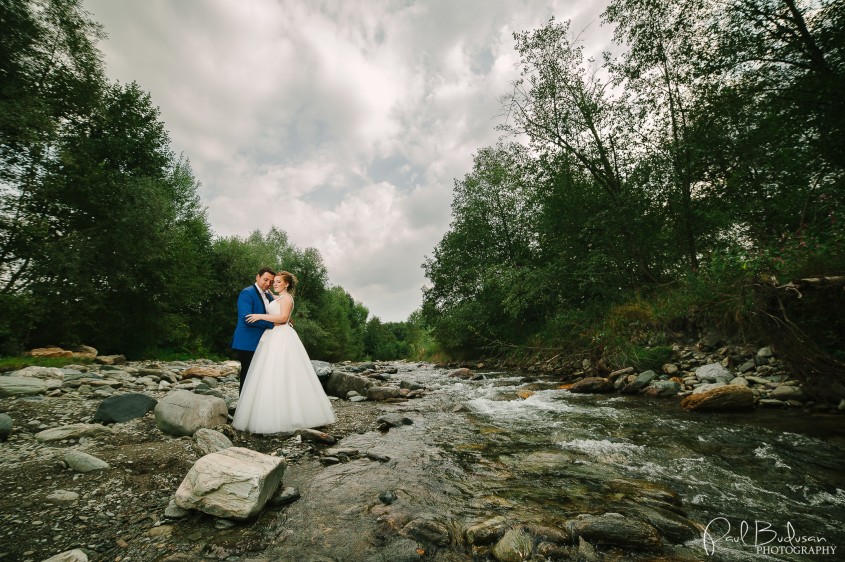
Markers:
point(247, 335)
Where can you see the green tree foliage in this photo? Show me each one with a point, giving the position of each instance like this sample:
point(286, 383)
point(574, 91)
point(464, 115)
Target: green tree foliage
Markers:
point(717, 131)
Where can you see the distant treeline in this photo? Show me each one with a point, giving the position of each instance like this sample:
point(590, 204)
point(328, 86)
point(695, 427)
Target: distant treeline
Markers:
point(103, 240)
point(651, 186)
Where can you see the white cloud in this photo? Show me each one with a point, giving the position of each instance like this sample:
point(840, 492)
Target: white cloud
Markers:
point(286, 108)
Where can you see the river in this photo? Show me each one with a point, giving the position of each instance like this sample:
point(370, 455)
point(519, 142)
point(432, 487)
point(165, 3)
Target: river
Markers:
point(523, 449)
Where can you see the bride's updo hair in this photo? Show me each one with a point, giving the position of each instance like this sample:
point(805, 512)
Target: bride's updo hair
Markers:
point(290, 279)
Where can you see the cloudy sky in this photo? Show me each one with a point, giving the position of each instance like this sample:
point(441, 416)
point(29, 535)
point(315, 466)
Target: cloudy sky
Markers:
point(343, 123)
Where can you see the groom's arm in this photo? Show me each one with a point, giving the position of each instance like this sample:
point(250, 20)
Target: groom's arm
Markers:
point(246, 305)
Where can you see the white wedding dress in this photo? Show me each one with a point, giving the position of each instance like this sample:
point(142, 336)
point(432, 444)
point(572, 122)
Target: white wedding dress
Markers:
point(282, 392)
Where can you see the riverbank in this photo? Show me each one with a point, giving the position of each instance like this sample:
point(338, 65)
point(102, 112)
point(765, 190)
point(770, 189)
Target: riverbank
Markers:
point(478, 459)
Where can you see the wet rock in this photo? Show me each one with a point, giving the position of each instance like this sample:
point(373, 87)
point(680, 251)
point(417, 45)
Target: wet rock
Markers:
point(394, 420)
point(642, 381)
point(339, 384)
point(6, 424)
point(462, 373)
point(21, 386)
point(387, 497)
point(662, 389)
point(514, 546)
point(182, 412)
point(714, 372)
point(722, 398)
point(83, 462)
point(284, 496)
point(234, 483)
point(486, 532)
point(72, 431)
point(125, 407)
point(398, 549)
point(207, 441)
point(677, 528)
point(591, 385)
point(614, 529)
point(427, 529)
point(315, 436)
point(587, 552)
point(74, 555)
point(383, 393)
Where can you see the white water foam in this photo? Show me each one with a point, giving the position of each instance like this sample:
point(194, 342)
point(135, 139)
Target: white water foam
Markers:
point(765, 451)
point(604, 451)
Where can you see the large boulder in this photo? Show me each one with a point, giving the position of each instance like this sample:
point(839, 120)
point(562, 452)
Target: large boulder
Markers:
point(182, 412)
point(43, 373)
point(21, 386)
point(125, 407)
point(729, 397)
point(339, 384)
point(233, 483)
point(49, 351)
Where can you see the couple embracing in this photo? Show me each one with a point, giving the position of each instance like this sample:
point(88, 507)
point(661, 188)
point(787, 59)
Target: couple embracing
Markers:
point(280, 391)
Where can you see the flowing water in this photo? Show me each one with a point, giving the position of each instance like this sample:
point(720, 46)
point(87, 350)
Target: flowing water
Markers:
point(478, 449)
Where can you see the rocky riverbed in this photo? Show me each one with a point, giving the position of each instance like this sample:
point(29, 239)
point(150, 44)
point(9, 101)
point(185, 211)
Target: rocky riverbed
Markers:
point(423, 463)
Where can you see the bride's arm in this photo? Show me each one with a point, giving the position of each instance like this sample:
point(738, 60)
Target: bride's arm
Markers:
point(284, 316)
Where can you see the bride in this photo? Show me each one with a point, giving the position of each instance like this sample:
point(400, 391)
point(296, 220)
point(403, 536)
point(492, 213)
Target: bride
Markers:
point(282, 392)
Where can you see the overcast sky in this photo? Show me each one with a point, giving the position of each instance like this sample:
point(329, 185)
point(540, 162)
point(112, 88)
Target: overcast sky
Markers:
point(343, 123)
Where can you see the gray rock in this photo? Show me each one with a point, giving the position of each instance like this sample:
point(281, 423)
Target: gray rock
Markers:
point(74, 555)
point(6, 424)
point(322, 369)
point(747, 366)
point(182, 412)
point(21, 386)
point(358, 399)
point(285, 495)
point(514, 546)
point(173, 511)
point(786, 392)
point(207, 441)
point(410, 385)
point(713, 372)
point(670, 369)
point(43, 373)
point(383, 392)
point(765, 352)
point(387, 497)
point(662, 388)
point(234, 483)
point(352, 393)
point(83, 462)
point(125, 407)
point(642, 381)
point(739, 381)
point(614, 529)
point(340, 383)
point(671, 525)
point(702, 388)
point(62, 497)
point(72, 431)
point(394, 420)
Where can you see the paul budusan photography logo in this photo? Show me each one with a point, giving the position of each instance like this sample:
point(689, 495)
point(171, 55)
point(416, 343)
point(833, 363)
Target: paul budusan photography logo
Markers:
point(763, 537)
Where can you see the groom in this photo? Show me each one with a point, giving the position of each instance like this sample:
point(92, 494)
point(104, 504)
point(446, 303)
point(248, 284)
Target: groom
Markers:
point(252, 300)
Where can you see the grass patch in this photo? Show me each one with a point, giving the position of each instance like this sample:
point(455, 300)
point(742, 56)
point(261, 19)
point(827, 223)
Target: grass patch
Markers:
point(15, 363)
